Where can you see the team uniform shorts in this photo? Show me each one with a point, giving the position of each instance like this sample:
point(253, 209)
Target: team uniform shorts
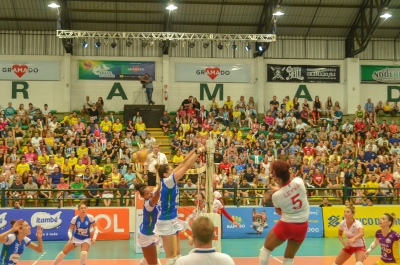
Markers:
point(147, 240)
point(352, 250)
point(293, 231)
point(79, 242)
point(167, 227)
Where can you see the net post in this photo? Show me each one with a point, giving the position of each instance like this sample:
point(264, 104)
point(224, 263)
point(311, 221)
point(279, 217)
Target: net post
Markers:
point(210, 147)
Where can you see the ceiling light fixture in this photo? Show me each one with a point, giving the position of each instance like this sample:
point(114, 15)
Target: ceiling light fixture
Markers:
point(84, 44)
point(128, 43)
point(151, 44)
point(161, 44)
point(97, 44)
point(220, 46)
point(278, 11)
point(105, 41)
point(174, 44)
point(234, 46)
point(183, 44)
point(205, 45)
point(144, 43)
point(53, 5)
point(386, 14)
point(248, 47)
point(191, 45)
point(171, 6)
point(113, 45)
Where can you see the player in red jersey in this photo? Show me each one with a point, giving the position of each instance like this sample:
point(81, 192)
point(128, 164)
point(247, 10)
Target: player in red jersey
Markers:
point(290, 201)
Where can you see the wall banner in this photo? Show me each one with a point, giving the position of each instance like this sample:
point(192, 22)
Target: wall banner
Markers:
point(257, 222)
point(215, 73)
point(55, 223)
point(115, 70)
point(303, 73)
point(380, 74)
point(29, 71)
point(369, 217)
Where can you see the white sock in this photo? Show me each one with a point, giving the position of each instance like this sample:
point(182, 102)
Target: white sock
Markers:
point(359, 263)
point(59, 258)
point(264, 256)
point(83, 258)
point(288, 261)
point(170, 261)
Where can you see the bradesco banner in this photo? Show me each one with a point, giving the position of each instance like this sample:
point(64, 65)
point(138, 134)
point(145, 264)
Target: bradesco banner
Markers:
point(380, 74)
point(113, 223)
point(111, 70)
point(368, 216)
point(303, 73)
point(211, 73)
point(257, 222)
point(55, 223)
point(29, 71)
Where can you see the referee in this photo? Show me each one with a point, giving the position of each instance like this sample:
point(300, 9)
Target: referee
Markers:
point(152, 159)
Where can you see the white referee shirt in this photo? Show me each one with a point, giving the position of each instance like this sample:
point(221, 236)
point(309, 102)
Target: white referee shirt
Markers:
point(153, 159)
point(205, 256)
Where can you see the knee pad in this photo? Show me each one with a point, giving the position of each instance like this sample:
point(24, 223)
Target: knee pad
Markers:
point(359, 263)
point(84, 255)
point(264, 256)
point(288, 261)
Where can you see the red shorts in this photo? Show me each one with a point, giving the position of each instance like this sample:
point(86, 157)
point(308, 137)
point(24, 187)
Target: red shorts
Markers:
point(293, 231)
point(352, 250)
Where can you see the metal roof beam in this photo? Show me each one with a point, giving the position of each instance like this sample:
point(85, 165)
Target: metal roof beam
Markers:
point(367, 21)
point(76, 10)
point(230, 3)
point(65, 23)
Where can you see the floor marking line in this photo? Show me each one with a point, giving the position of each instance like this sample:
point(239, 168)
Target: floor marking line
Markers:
point(277, 259)
point(41, 256)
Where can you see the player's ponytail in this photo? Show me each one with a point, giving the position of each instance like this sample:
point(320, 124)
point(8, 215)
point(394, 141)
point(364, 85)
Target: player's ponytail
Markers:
point(395, 218)
point(351, 207)
point(140, 188)
point(391, 218)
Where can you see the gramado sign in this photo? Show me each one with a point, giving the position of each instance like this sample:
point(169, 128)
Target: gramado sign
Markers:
point(212, 72)
point(387, 75)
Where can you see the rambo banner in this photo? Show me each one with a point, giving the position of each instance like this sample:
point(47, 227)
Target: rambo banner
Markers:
point(303, 73)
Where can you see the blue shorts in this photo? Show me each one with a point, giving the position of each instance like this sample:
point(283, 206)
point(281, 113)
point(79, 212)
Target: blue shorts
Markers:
point(74, 196)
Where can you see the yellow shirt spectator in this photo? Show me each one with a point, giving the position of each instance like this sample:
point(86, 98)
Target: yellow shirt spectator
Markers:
point(80, 169)
point(216, 133)
point(59, 160)
point(93, 169)
point(49, 141)
point(117, 127)
point(105, 126)
point(372, 187)
point(387, 107)
point(177, 159)
point(251, 138)
point(289, 105)
point(205, 133)
point(43, 159)
point(236, 114)
point(185, 127)
point(227, 134)
point(22, 167)
point(229, 104)
point(82, 151)
point(66, 169)
point(73, 120)
point(140, 127)
point(72, 161)
point(216, 105)
point(239, 135)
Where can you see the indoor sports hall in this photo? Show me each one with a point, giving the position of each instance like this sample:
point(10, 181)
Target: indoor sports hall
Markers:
point(157, 131)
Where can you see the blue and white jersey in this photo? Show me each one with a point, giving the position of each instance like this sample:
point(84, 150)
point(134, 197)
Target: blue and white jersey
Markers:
point(82, 228)
point(150, 215)
point(169, 198)
point(12, 250)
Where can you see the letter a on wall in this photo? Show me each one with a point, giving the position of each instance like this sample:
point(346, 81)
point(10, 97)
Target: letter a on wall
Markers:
point(218, 87)
point(389, 93)
point(303, 89)
point(24, 89)
point(117, 91)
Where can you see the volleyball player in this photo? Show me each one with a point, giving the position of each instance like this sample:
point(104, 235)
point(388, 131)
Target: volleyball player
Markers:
point(167, 225)
point(389, 241)
point(79, 235)
point(354, 232)
point(147, 240)
point(290, 201)
point(15, 240)
point(218, 207)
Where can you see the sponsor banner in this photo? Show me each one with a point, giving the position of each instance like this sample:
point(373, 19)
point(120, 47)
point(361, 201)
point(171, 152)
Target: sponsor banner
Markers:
point(29, 71)
point(113, 223)
point(380, 74)
point(369, 217)
point(111, 70)
point(55, 223)
point(303, 73)
point(226, 73)
point(257, 222)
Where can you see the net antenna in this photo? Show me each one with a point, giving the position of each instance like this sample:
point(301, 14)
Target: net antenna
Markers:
point(210, 148)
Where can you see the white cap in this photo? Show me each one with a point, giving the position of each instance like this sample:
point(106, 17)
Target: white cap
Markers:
point(217, 195)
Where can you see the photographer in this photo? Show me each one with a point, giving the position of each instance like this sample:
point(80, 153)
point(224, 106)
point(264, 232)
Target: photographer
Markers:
point(147, 83)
